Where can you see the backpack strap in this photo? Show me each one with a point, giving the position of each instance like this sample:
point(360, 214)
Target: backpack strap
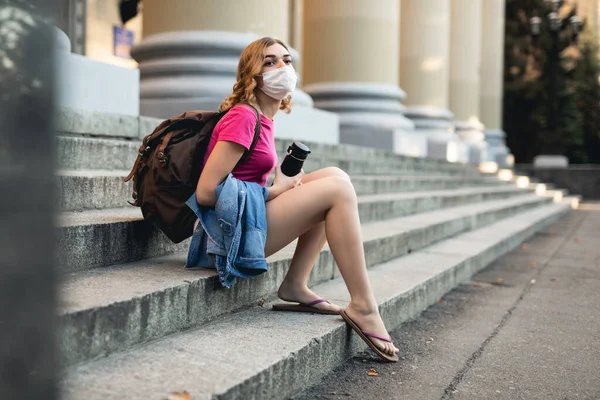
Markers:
point(159, 130)
point(171, 124)
point(162, 158)
point(247, 154)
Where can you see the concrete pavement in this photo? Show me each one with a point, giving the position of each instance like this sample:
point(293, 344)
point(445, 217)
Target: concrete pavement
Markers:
point(527, 327)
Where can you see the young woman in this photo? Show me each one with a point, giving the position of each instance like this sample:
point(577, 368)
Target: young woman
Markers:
point(313, 208)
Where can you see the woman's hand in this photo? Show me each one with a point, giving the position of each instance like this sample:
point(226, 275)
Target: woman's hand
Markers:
point(287, 182)
point(283, 183)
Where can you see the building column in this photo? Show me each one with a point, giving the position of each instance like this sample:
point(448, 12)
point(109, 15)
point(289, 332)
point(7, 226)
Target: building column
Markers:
point(424, 72)
point(296, 28)
point(72, 21)
point(262, 17)
point(465, 62)
point(492, 77)
point(190, 51)
point(350, 67)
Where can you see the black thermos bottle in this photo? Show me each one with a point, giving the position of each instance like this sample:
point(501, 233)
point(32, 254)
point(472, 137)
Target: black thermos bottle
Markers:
point(294, 159)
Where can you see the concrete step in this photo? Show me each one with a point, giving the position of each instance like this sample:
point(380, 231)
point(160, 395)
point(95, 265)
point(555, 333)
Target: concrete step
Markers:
point(99, 189)
point(97, 238)
point(77, 123)
point(537, 188)
point(549, 189)
point(112, 309)
point(81, 153)
point(556, 194)
point(257, 353)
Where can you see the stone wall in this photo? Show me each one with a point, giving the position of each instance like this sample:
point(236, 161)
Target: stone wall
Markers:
point(578, 179)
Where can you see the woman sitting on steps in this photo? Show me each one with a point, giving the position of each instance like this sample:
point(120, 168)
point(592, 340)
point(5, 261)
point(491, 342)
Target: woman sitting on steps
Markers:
point(313, 208)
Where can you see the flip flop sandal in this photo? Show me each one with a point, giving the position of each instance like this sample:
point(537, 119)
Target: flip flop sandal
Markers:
point(366, 336)
point(307, 307)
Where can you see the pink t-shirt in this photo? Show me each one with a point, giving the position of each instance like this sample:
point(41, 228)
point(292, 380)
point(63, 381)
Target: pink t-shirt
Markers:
point(238, 126)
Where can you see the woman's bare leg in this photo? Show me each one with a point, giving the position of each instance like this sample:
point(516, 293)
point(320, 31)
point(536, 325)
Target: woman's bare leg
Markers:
point(333, 200)
point(295, 284)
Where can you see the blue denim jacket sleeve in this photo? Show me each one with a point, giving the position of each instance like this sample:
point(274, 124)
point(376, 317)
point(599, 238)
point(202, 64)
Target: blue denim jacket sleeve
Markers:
point(231, 236)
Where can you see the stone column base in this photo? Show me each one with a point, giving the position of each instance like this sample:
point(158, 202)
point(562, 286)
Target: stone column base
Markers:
point(471, 133)
point(436, 125)
point(307, 123)
point(496, 148)
point(371, 115)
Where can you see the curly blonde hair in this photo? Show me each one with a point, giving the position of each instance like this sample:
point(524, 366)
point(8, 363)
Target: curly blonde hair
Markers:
point(250, 65)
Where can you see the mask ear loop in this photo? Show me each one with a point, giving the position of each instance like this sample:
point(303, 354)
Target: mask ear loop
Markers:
point(256, 90)
point(259, 81)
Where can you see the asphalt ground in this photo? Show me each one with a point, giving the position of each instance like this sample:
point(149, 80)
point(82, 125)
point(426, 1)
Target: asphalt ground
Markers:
point(526, 327)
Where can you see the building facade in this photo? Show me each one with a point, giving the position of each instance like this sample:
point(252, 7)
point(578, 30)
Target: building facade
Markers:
point(421, 77)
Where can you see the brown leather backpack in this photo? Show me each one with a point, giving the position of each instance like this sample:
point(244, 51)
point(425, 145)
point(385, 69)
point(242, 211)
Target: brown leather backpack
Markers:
point(168, 166)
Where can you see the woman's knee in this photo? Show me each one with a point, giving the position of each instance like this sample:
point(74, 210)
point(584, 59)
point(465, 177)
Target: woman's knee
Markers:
point(344, 190)
point(337, 172)
point(329, 172)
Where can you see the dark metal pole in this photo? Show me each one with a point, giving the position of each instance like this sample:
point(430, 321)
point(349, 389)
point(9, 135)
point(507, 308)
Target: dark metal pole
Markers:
point(552, 141)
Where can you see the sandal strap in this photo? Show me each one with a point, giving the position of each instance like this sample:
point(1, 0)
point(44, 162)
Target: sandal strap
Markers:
point(312, 303)
point(376, 336)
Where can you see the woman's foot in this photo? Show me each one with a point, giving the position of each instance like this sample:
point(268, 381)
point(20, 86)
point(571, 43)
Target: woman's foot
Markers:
point(369, 320)
point(304, 295)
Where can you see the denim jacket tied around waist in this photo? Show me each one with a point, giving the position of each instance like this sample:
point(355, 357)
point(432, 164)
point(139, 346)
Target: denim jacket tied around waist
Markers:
point(232, 235)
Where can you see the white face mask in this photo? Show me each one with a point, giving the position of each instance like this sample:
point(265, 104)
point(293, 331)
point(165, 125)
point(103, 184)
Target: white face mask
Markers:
point(279, 83)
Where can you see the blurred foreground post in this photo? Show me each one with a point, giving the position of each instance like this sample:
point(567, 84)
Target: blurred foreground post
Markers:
point(27, 273)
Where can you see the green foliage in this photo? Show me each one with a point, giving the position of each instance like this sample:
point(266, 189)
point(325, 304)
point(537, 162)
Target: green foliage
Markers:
point(527, 80)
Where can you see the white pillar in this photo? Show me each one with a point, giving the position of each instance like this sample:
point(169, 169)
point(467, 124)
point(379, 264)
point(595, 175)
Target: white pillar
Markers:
point(424, 72)
point(261, 17)
point(465, 63)
point(492, 78)
point(296, 29)
point(351, 67)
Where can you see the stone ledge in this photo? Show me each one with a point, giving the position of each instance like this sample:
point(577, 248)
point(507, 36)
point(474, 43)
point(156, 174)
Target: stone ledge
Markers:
point(147, 125)
point(94, 123)
point(94, 85)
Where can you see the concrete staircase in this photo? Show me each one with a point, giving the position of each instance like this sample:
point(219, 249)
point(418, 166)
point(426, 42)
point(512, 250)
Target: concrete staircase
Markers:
point(134, 324)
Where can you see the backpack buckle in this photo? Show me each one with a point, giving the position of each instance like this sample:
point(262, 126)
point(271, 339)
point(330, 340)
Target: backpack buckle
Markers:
point(162, 158)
